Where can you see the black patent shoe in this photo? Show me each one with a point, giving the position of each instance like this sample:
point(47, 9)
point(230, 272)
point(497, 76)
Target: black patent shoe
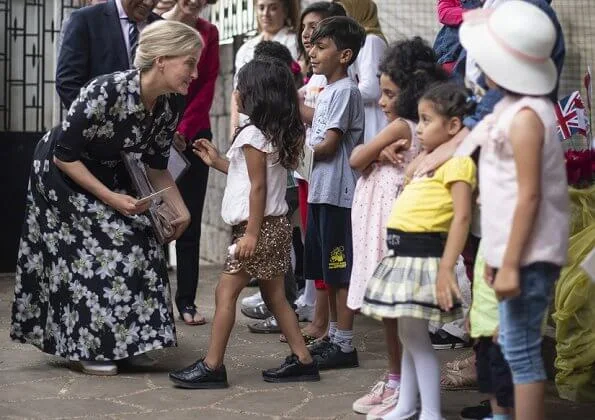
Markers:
point(319, 346)
point(292, 370)
point(334, 358)
point(199, 376)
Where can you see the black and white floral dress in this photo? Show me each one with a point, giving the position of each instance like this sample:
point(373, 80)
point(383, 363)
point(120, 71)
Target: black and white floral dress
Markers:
point(91, 284)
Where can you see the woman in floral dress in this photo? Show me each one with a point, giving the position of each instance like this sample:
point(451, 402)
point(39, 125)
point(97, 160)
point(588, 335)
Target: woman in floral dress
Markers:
point(91, 279)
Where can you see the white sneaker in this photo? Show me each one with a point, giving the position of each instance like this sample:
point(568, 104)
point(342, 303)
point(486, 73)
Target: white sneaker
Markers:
point(253, 300)
point(99, 368)
point(305, 313)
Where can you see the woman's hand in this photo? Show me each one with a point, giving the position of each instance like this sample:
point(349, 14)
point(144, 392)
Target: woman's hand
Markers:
point(246, 246)
point(180, 225)
point(180, 142)
point(205, 150)
point(126, 204)
point(446, 288)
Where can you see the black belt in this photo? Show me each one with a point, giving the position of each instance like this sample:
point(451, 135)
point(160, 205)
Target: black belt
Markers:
point(423, 244)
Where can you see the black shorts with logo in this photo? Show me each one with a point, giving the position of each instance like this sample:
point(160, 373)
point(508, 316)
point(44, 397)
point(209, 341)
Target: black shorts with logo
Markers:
point(328, 253)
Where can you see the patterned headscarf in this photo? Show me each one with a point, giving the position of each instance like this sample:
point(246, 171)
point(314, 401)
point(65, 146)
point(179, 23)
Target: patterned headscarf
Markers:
point(365, 13)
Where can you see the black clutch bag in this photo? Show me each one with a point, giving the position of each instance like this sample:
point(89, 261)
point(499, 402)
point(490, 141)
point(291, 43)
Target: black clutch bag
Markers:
point(161, 213)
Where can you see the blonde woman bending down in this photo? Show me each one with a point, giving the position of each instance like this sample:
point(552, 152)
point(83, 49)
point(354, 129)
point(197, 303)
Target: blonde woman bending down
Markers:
point(91, 283)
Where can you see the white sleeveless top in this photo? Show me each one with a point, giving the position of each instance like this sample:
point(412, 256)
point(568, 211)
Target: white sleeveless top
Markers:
point(498, 185)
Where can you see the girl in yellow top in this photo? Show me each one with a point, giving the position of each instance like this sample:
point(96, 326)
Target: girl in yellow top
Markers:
point(427, 230)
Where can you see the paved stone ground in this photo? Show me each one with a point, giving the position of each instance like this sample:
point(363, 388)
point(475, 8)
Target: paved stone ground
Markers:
point(35, 385)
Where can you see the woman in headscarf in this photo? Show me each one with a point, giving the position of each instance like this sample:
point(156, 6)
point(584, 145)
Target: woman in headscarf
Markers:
point(365, 69)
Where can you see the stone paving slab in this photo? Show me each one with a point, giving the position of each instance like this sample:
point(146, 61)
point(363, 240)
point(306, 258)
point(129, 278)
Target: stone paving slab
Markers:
point(37, 386)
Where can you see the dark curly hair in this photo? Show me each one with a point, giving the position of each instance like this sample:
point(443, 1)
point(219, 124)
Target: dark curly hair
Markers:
point(268, 96)
point(412, 65)
point(450, 100)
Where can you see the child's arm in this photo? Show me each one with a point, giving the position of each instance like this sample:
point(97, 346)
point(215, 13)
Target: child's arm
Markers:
point(450, 12)
point(256, 161)
point(306, 112)
point(364, 155)
point(209, 154)
point(441, 153)
point(327, 148)
point(526, 137)
point(446, 285)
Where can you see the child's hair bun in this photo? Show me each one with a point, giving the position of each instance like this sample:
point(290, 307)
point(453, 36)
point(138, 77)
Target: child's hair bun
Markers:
point(451, 100)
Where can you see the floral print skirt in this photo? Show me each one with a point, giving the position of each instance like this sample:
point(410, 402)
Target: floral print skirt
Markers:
point(91, 284)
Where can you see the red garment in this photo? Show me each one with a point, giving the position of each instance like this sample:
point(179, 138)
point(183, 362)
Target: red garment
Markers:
point(303, 207)
point(449, 66)
point(202, 89)
point(450, 12)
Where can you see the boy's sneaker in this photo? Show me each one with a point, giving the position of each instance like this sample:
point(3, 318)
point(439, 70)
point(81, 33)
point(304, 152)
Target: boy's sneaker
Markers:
point(267, 326)
point(372, 399)
point(441, 340)
point(385, 407)
point(305, 313)
point(477, 412)
point(292, 370)
point(252, 300)
point(334, 358)
point(259, 311)
point(319, 346)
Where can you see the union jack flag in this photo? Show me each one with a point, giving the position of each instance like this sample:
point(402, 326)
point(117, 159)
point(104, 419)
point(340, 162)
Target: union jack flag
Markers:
point(571, 115)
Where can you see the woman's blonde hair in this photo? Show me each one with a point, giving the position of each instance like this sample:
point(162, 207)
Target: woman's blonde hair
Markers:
point(166, 38)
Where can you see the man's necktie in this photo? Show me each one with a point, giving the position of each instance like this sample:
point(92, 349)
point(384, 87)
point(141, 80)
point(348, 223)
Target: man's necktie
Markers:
point(132, 39)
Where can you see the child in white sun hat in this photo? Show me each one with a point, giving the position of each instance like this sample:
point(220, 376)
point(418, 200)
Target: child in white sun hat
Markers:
point(524, 218)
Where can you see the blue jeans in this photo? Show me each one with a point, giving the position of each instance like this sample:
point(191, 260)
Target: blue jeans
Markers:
point(521, 322)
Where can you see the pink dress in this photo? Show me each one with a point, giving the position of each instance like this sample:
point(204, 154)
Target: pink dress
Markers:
point(372, 202)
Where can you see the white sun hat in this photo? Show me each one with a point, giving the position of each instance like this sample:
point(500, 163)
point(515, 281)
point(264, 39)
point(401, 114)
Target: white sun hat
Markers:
point(512, 45)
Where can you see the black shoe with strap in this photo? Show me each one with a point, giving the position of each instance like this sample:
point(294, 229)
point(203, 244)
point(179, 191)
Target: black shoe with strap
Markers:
point(292, 370)
point(199, 376)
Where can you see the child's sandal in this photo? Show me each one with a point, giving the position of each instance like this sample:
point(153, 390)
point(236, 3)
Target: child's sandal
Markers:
point(461, 380)
point(461, 363)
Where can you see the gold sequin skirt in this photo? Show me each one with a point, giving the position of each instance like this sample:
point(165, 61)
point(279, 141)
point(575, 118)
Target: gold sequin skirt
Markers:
point(272, 257)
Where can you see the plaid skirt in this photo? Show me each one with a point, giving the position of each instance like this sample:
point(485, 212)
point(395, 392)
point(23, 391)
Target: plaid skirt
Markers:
point(406, 287)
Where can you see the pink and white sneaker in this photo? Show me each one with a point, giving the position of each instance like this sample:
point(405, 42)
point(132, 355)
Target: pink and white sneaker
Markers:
point(373, 399)
point(385, 407)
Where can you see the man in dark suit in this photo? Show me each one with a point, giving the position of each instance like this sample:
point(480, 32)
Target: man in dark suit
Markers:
point(98, 40)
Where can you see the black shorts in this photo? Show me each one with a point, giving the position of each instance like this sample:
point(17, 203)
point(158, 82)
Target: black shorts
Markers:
point(493, 373)
point(328, 252)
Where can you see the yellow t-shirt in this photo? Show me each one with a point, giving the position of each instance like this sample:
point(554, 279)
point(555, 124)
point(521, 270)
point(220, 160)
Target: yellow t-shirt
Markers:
point(425, 205)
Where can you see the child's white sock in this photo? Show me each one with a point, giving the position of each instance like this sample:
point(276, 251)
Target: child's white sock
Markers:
point(344, 339)
point(394, 380)
point(332, 330)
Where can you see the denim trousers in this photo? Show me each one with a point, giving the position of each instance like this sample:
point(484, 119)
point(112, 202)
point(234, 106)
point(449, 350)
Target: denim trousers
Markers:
point(522, 321)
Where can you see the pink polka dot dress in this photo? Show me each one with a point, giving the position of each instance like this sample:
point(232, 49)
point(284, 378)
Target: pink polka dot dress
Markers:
point(372, 202)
